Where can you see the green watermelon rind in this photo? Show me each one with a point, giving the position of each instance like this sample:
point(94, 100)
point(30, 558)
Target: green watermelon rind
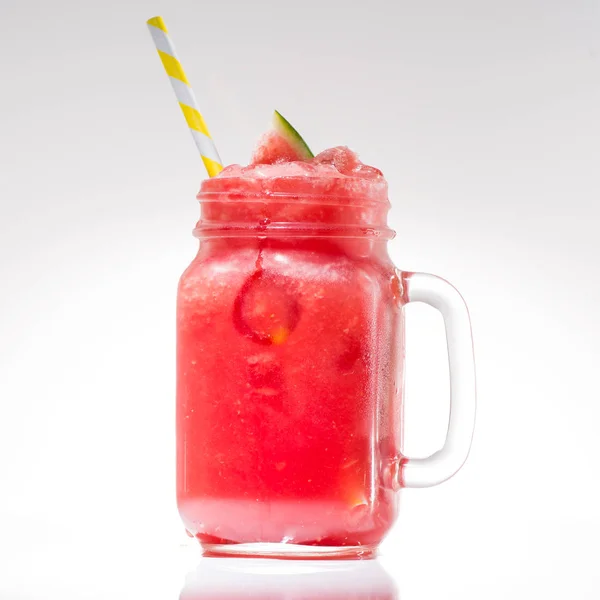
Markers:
point(284, 128)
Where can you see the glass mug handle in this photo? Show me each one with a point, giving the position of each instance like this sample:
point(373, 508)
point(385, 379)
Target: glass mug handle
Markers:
point(443, 464)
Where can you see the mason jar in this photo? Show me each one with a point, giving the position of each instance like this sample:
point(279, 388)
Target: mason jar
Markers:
point(290, 367)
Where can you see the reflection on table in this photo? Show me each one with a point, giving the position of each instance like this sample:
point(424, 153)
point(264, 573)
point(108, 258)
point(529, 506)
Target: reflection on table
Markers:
point(231, 578)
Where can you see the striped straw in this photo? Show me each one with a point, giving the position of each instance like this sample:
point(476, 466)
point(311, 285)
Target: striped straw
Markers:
point(185, 96)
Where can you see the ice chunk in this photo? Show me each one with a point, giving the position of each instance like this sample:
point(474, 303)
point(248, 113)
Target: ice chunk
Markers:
point(341, 157)
point(232, 171)
point(366, 172)
point(346, 162)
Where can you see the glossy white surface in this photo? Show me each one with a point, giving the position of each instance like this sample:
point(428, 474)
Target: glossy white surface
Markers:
point(502, 560)
point(255, 578)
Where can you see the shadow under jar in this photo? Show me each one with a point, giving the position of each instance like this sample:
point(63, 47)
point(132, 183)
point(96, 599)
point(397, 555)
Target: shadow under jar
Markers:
point(290, 346)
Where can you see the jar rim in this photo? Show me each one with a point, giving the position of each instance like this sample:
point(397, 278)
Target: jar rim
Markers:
point(343, 190)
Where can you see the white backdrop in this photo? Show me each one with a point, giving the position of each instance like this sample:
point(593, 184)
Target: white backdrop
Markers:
point(485, 118)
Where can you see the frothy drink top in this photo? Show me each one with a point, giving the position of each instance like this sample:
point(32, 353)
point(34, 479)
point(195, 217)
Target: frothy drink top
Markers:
point(286, 187)
point(335, 175)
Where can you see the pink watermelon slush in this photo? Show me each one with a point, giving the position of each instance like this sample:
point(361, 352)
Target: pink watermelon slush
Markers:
point(288, 405)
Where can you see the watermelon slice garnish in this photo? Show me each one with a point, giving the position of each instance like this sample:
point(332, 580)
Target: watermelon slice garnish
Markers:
point(282, 143)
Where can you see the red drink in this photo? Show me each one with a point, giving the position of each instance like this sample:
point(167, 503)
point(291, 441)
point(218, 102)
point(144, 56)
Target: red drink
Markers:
point(289, 338)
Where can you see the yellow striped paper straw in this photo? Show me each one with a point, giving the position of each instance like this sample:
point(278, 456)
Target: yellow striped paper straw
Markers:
point(185, 96)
